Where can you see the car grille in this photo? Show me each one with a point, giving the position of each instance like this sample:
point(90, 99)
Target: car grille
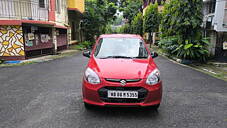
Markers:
point(127, 80)
point(142, 93)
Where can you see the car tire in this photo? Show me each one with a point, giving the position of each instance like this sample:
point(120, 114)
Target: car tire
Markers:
point(155, 107)
point(87, 106)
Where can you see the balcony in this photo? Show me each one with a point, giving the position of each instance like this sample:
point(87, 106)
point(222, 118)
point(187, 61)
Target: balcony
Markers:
point(24, 10)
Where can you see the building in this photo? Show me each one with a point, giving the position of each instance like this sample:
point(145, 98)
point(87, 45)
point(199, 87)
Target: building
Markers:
point(215, 25)
point(33, 27)
point(75, 11)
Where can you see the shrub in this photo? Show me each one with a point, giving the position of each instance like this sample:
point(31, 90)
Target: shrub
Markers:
point(168, 44)
point(197, 50)
point(137, 24)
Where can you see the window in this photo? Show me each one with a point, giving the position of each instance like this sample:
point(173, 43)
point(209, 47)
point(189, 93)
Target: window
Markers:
point(121, 47)
point(42, 3)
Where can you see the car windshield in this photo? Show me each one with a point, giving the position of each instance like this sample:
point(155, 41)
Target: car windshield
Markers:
point(121, 48)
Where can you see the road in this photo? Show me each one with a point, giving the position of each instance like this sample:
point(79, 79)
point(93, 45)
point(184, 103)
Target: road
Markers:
point(48, 95)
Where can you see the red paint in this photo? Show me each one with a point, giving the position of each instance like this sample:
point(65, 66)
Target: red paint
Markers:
point(37, 22)
point(61, 40)
point(10, 22)
point(20, 22)
point(121, 69)
point(62, 27)
point(12, 57)
point(40, 46)
point(52, 11)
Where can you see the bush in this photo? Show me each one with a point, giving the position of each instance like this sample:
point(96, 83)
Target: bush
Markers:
point(197, 50)
point(124, 29)
point(168, 44)
point(137, 24)
point(83, 45)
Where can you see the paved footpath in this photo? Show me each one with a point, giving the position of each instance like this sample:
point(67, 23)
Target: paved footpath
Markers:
point(48, 95)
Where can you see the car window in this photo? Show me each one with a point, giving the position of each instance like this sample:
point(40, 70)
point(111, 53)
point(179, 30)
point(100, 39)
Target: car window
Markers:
point(121, 48)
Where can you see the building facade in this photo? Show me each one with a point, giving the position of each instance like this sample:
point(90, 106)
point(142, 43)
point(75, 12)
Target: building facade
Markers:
point(215, 25)
point(32, 27)
point(75, 11)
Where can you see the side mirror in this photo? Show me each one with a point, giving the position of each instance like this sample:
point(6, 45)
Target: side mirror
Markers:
point(154, 54)
point(87, 53)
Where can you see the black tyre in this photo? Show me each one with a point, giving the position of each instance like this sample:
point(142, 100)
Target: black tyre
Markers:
point(155, 107)
point(87, 106)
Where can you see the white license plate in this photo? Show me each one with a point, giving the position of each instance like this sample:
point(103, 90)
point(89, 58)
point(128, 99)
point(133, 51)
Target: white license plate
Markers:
point(123, 94)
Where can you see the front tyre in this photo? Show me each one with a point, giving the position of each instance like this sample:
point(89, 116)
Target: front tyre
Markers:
point(87, 106)
point(155, 107)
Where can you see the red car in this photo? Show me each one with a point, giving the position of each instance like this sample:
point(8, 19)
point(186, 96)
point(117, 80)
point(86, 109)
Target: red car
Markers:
point(121, 72)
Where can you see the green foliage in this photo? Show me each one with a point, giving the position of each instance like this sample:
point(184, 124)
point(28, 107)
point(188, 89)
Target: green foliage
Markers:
point(125, 29)
point(83, 45)
point(137, 24)
point(97, 15)
point(151, 19)
point(169, 44)
point(197, 50)
point(130, 8)
point(182, 18)
point(109, 29)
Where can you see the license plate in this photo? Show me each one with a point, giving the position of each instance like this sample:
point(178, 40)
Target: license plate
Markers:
point(123, 94)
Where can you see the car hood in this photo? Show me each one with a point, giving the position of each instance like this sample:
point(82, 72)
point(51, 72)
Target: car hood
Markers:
point(123, 68)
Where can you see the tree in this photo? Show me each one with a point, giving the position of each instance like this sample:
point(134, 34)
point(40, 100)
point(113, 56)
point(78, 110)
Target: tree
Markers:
point(137, 24)
point(130, 8)
point(182, 18)
point(97, 15)
point(151, 19)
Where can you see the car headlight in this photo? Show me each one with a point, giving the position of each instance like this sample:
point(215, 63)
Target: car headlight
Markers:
point(153, 78)
point(91, 76)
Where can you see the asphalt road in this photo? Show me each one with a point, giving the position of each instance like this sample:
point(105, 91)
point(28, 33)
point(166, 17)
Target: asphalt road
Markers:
point(48, 95)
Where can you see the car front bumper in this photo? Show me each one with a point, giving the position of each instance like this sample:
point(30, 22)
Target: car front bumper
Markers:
point(96, 94)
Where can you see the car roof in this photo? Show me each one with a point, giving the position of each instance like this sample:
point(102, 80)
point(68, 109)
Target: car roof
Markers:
point(120, 36)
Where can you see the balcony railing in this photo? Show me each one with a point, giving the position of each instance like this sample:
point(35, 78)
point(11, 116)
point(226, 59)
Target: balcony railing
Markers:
point(23, 10)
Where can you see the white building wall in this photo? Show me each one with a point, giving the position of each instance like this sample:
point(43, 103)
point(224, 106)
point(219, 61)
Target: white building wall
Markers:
point(62, 15)
point(218, 21)
point(23, 10)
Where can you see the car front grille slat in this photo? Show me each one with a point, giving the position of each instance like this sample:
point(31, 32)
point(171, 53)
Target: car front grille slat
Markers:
point(127, 80)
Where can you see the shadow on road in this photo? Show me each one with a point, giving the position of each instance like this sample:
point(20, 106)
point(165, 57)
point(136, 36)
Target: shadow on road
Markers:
point(123, 112)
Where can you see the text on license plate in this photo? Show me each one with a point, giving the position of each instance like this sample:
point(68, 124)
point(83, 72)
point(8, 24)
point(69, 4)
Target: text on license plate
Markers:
point(123, 94)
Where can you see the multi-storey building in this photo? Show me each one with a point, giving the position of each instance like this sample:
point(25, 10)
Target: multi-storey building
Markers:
point(33, 27)
point(215, 25)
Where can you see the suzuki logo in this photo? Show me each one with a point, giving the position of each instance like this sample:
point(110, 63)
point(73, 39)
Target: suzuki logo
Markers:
point(123, 82)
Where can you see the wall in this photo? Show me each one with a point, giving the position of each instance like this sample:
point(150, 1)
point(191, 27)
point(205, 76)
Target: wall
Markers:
point(23, 10)
point(219, 16)
point(62, 14)
point(76, 4)
point(11, 41)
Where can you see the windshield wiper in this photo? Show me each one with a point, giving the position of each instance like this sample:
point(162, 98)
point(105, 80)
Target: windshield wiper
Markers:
point(126, 57)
